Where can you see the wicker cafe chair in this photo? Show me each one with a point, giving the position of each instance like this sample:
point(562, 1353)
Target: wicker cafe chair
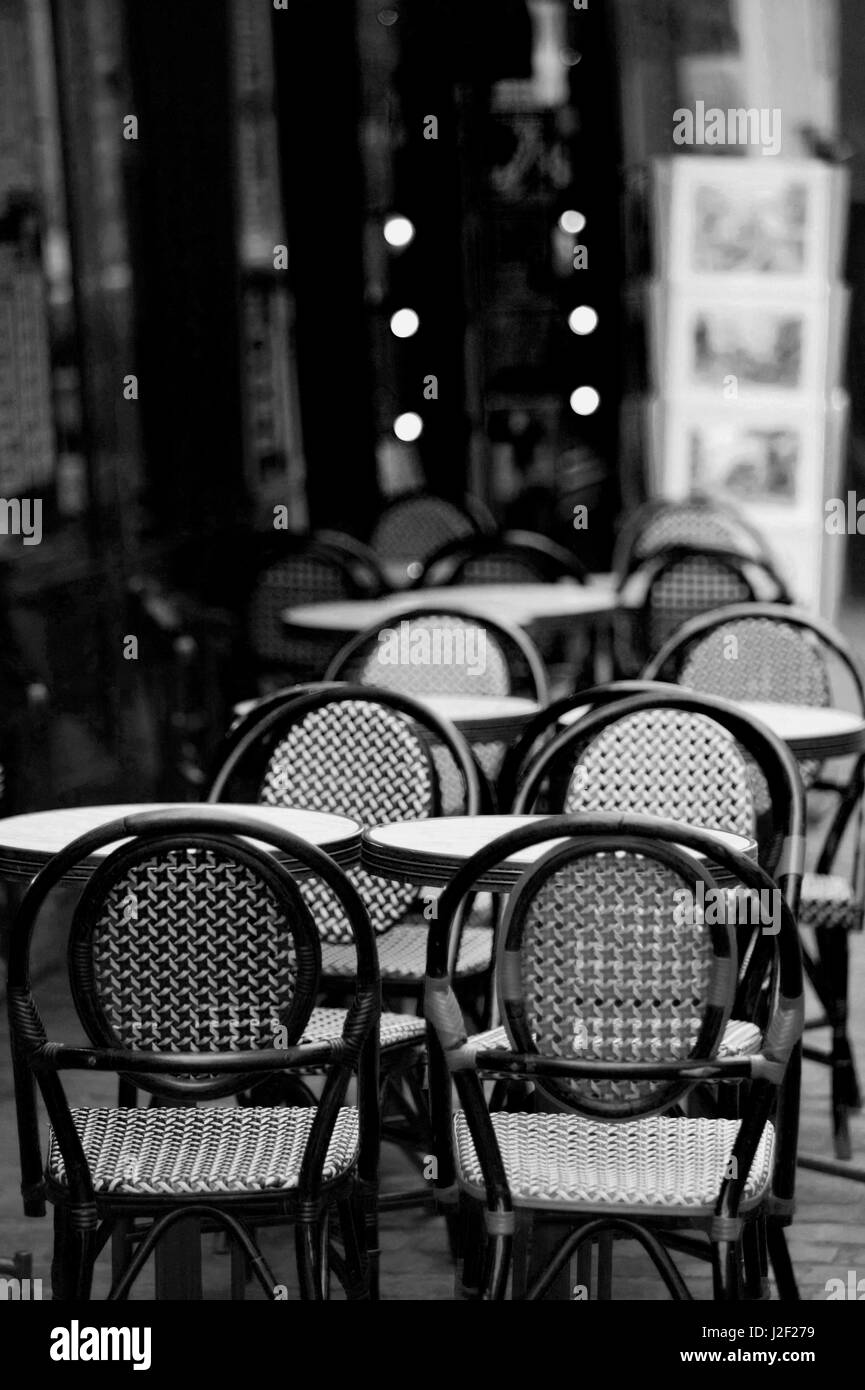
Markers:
point(782, 654)
point(366, 753)
point(433, 649)
point(690, 758)
point(676, 584)
point(294, 570)
point(194, 964)
point(615, 1012)
point(416, 524)
point(694, 521)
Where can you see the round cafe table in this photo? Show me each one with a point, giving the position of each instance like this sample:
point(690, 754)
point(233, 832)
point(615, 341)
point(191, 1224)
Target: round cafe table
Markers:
point(28, 842)
point(429, 852)
point(479, 718)
point(520, 605)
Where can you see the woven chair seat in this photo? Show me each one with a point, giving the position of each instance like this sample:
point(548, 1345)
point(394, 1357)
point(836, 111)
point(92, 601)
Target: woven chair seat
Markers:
point(185, 1152)
point(828, 901)
point(653, 1164)
point(740, 1039)
point(402, 953)
point(394, 1029)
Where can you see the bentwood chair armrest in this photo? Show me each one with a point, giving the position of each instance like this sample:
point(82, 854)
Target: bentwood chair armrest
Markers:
point(528, 1065)
point(62, 1057)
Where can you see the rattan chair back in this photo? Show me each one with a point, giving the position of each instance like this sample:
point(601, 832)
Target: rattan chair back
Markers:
point(604, 957)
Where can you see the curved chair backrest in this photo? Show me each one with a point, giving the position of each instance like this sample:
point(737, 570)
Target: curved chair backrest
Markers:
point(295, 572)
point(414, 525)
point(436, 650)
point(358, 751)
point(547, 724)
point(762, 651)
point(516, 557)
point(681, 756)
point(602, 964)
point(362, 560)
point(680, 582)
point(598, 961)
point(696, 522)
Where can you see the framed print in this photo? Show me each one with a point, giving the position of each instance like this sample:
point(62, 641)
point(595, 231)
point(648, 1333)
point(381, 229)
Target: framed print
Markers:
point(768, 221)
point(732, 347)
point(769, 460)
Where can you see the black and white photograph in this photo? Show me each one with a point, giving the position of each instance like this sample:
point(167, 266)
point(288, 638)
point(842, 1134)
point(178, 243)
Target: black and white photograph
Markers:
point(432, 672)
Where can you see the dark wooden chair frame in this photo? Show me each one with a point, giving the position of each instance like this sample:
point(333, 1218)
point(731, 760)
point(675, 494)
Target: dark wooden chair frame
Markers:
point(772, 1075)
point(86, 1219)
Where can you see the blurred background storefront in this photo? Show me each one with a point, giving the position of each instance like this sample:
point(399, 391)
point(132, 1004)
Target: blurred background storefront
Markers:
point(262, 258)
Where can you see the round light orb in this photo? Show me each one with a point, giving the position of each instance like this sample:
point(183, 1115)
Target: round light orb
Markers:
point(572, 221)
point(404, 323)
point(408, 427)
point(582, 320)
point(398, 231)
point(585, 400)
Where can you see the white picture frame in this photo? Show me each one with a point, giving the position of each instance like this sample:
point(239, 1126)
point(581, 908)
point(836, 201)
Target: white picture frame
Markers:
point(762, 221)
point(767, 460)
point(730, 348)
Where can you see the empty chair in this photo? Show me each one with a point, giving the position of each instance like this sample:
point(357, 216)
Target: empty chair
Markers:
point(365, 753)
point(770, 653)
point(694, 521)
point(294, 571)
point(413, 526)
point(194, 966)
point(676, 584)
point(614, 1014)
point(435, 650)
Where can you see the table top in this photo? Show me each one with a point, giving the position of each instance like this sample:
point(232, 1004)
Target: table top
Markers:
point(429, 852)
point(28, 842)
point(478, 717)
point(811, 731)
point(517, 604)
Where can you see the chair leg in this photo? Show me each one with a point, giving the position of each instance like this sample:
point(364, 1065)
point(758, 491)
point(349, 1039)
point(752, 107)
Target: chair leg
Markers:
point(726, 1271)
point(832, 946)
point(73, 1257)
point(756, 1283)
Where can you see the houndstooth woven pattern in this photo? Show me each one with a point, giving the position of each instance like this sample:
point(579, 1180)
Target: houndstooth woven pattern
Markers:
point(669, 763)
point(402, 953)
point(659, 1162)
point(608, 973)
point(446, 675)
point(418, 527)
point(192, 952)
point(296, 579)
point(366, 762)
point(187, 1152)
point(828, 900)
point(739, 1040)
point(760, 659)
point(694, 584)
